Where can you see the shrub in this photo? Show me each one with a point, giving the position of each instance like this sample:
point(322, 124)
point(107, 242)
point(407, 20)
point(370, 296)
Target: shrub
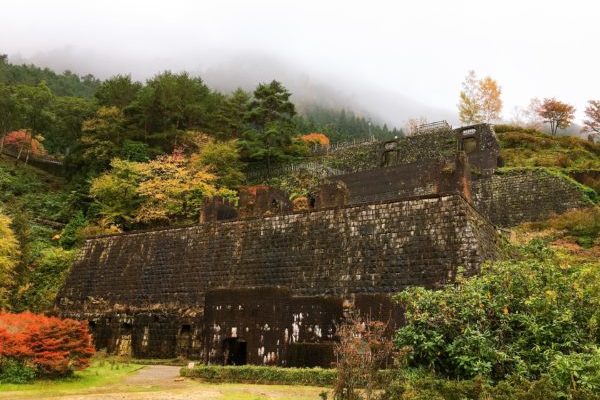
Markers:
point(315, 138)
point(430, 387)
point(13, 371)
point(516, 317)
point(577, 371)
point(69, 236)
point(262, 375)
point(56, 347)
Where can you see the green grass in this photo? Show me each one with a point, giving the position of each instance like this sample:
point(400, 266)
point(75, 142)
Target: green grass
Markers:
point(100, 374)
point(527, 148)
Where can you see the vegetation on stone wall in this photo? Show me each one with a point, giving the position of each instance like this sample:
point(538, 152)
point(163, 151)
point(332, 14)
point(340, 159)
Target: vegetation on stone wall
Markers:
point(529, 148)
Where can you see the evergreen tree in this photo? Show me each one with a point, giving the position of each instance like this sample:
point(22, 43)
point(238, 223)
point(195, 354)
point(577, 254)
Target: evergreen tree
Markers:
point(118, 91)
point(231, 118)
point(272, 128)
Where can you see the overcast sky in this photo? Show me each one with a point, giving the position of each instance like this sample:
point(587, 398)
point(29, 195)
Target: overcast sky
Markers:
point(420, 50)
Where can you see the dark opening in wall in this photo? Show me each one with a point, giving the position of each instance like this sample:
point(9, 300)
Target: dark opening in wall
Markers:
point(234, 351)
point(311, 200)
point(185, 329)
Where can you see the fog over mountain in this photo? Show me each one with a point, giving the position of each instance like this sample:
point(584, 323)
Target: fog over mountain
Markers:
point(228, 71)
point(390, 60)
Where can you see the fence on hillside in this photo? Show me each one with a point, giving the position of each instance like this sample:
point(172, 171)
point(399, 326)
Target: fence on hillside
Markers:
point(27, 156)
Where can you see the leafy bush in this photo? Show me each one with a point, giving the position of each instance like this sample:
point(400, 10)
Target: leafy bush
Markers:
point(262, 375)
point(69, 236)
point(516, 317)
point(56, 347)
point(576, 371)
point(13, 371)
point(423, 386)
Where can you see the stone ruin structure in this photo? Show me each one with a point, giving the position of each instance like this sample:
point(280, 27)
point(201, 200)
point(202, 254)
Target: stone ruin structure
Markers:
point(260, 283)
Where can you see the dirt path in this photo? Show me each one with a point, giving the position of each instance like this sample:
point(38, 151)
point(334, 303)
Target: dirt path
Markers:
point(160, 382)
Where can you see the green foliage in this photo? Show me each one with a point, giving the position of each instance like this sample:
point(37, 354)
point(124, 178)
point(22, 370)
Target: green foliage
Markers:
point(9, 257)
point(13, 371)
point(576, 371)
point(118, 91)
point(231, 118)
point(223, 160)
point(516, 317)
point(420, 385)
point(341, 125)
point(65, 84)
point(262, 375)
point(69, 114)
point(528, 148)
point(270, 137)
point(162, 191)
point(43, 279)
point(134, 151)
point(69, 236)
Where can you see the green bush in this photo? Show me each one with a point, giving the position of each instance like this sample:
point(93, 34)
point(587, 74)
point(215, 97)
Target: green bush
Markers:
point(12, 371)
point(430, 387)
point(578, 371)
point(514, 318)
point(69, 236)
point(262, 375)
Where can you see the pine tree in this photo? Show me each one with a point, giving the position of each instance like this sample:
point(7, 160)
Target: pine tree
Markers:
point(270, 116)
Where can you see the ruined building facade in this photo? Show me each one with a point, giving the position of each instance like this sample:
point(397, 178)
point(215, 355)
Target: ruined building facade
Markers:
point(261, 283)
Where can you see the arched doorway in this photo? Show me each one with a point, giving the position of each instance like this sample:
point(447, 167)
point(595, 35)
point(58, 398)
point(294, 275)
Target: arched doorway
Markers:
point(234, 351)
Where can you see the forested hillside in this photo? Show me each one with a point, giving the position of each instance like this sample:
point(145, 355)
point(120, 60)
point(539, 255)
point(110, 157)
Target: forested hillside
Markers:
point(142, 155)
point(134, 155)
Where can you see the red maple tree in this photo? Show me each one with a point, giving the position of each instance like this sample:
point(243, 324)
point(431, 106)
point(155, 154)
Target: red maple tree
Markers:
point(55, 346)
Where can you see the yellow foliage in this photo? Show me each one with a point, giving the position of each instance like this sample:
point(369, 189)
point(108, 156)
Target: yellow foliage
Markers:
point(9, 256)
point(315, 138)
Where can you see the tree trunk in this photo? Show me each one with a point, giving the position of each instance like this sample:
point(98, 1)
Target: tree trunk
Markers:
point(2, 142)
point(20, 151)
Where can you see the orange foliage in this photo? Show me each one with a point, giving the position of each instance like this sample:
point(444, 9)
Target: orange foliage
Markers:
point(315, 138)
point(22, 138)
point(55, 346)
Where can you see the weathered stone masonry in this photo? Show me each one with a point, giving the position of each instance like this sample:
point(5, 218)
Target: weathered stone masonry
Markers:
point(150, 289)
point(269, 288)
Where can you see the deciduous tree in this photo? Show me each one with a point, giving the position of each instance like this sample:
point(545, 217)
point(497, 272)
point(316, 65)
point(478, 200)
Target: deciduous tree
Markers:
point(479, 100)
point(9, 115)
point(35, 109)
point(591, 124)
point(223, 160)
point(56, 347)
point(558, 114)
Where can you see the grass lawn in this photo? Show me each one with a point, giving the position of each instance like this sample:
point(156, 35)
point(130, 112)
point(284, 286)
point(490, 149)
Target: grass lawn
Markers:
point(117, 381)
point(97, 376)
